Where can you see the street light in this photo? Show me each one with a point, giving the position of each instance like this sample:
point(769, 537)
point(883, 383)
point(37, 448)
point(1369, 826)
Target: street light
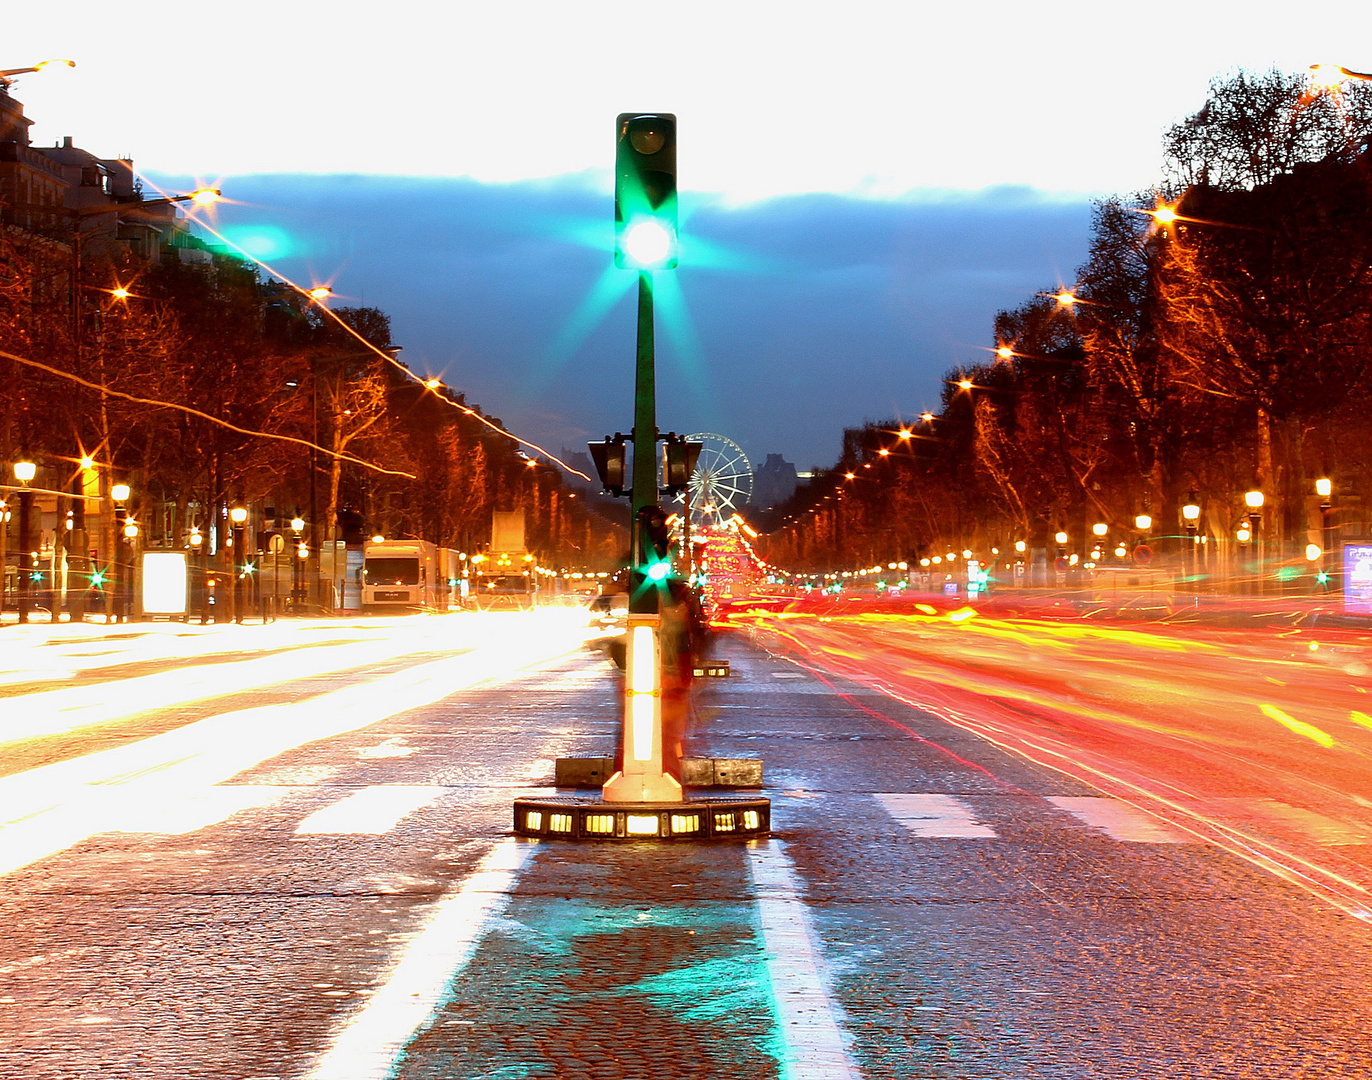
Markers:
point(1324, 488)
point(1100, 528)
point(7, 76)
point(24, 471)
point(1143, 522)
point(1190, 513)
point(1254, 500)
point(238, 515)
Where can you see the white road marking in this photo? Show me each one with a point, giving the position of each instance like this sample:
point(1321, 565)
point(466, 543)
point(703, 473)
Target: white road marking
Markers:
point(1119, 820)
point(810, 1024)
point(368, 1046)
point(369, 812)
point(942, 816)
point(1315, 826)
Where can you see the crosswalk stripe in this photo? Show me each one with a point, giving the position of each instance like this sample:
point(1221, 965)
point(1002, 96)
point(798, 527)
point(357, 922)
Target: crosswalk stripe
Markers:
point(369, 812)
point(1118, 820)
point(943, 816)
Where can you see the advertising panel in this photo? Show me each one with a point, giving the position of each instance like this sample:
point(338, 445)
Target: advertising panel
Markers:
point(164, 583)
point(1357, 578)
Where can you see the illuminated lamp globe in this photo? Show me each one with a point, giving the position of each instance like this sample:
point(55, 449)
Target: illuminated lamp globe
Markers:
point(1313, 552)
point(303, 550)
point(1100, 528)
point(205, 196)
point(964, 384)
point(1324, 487)
point(297, 525)
point(924, 562)
point(195, 539)
point(1020, 546)
point(320, 293)
point(1243, 535)
point(1143, 521)
point(120, 493)
point(130, 530)
point(1191, 512)
point(1253, 500)
point(87, 462)
point(1005, 352)
point(24, 471)
point(648, 243)
point(238, 515)
point(1060, 537)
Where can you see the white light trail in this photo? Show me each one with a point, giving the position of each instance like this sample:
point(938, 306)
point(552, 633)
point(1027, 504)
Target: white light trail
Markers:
point(48, 809)
point(52, 712)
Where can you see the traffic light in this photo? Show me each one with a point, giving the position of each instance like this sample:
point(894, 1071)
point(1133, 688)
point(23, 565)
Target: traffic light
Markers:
point(679, 459)
point(645, 191)
point(656, 537)
point(609, 458)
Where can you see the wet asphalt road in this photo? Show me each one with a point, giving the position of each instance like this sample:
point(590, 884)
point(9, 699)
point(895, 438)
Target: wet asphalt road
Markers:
point(352, 905)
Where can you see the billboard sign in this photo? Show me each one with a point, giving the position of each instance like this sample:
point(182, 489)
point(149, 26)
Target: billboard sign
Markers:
point(164, 583)
point(1357, 578)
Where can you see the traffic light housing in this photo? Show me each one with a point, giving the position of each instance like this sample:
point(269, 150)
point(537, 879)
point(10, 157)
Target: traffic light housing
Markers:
point(645, 191)
point(679, 459)
point(655, 536)
point(610, 463)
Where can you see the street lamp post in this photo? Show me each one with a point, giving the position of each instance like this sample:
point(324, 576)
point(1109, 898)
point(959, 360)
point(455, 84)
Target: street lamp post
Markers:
point(24, 471)
point(119, 494)
point(1254, 500)
point(1190, 513)
point(1324, 488)
point(238, 515)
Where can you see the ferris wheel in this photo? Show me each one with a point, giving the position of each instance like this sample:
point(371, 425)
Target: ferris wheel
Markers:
point(722, 481)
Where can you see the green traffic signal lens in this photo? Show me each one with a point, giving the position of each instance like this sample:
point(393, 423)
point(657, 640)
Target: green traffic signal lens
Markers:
point(648, 243)
point(658, 571)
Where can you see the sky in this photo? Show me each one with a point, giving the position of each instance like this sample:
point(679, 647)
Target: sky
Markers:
point(863, 185)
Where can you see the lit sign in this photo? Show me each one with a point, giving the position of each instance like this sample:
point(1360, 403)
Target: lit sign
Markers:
point(164, 582)
point(1357, 577)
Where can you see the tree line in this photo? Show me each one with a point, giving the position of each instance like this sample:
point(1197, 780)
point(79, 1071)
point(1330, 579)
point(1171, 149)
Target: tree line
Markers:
point(1216, 341)
point(279, 405)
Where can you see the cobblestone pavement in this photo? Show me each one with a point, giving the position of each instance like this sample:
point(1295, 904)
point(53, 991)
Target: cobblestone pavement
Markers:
point(312, 893)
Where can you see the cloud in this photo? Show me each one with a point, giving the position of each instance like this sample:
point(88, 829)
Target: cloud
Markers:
point(788, 319)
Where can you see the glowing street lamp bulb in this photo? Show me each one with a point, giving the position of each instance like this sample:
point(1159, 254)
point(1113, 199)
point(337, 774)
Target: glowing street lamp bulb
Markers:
point(378, 538)
point(48, 63)
point(1327, 76)
point(1060, 537)
point(884, 452)
point(1020, 546)
point(205, 196)
point(648, 243)
point(1066, 298)
point(1164, 215)
point(238, 515)
point(87, 462)
point(297, 524)
point(432, 384)
point(1313, 552)
point(320, 293)
point(1143, 521)
point(1005, 352)
point(1190, 512)
point(849, 476)
point(905, 433)
point(927, 417)
point(1324, 487)
point(24, 471)
point(130, 530)
point(1244, 535)
point(120, 493)
point(964, 384)
point(120, 293)
point(1100, 528)
point(1253, 499)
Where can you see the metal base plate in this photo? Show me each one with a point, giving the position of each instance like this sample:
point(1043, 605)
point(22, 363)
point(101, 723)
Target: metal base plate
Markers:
point(588, 818)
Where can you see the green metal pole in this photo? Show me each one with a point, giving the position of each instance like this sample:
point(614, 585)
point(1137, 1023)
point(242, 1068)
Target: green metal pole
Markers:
point(644, 491)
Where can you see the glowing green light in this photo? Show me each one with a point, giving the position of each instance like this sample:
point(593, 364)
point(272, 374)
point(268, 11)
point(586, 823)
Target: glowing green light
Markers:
point(647, 244)
point(97, 579)
point(1322, 578)
point(261, 242)
point(658, 571)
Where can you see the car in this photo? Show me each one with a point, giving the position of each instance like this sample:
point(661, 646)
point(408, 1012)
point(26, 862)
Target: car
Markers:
point(609, 612)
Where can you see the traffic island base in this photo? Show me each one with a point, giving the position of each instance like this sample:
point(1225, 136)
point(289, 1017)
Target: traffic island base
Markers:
point(592, 772)
point(564, 817)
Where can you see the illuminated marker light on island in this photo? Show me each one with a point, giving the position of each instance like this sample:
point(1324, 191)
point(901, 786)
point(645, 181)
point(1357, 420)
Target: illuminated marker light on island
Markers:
point(642, 690)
